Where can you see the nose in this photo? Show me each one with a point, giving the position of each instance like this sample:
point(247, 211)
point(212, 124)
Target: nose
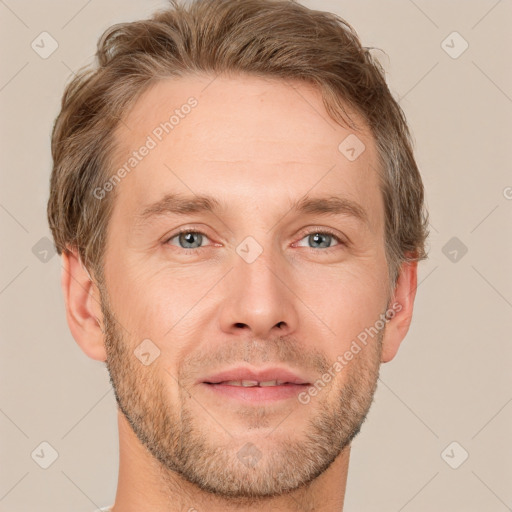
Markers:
point(259, 298)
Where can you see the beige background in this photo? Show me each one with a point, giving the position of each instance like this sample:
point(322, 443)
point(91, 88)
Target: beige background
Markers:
point(451, 379)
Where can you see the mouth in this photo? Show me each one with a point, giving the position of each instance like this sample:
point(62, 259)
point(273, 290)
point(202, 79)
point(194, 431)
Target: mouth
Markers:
point(248, 377)
point(257, 393)
point(253, 383)
point(252, 386)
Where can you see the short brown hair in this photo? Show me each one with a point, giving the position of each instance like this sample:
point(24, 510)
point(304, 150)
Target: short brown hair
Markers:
point(268, 38)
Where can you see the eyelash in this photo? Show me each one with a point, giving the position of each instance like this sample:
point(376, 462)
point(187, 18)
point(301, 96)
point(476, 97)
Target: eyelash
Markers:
point(323, 231)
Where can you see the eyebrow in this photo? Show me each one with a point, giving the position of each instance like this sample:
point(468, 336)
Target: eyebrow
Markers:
point(178, 204)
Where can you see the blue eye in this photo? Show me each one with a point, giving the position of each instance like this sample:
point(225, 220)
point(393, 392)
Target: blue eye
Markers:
point(188, 239)
point(323, 239)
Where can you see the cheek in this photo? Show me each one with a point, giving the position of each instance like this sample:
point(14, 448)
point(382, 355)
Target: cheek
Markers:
point(347, 300)
point(163, 304)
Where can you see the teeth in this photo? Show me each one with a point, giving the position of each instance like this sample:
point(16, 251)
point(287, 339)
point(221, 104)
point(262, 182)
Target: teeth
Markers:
point(270, 383)
point(244, 383)
point(253, 383)
point(249, 383)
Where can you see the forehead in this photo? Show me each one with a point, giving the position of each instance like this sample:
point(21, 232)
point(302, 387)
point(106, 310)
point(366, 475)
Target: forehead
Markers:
point(251, 141)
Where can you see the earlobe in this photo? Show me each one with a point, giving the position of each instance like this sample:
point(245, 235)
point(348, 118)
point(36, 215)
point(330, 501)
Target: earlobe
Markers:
point(402, 304)
point(83, 310)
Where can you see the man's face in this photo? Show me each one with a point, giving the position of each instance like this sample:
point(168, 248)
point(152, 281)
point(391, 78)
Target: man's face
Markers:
point(254, 284)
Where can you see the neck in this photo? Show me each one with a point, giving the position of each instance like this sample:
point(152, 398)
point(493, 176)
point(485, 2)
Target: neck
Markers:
point(145, 486)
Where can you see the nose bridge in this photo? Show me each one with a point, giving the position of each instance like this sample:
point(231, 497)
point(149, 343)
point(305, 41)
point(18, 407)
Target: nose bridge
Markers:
point(257, 296)
point(258, 269)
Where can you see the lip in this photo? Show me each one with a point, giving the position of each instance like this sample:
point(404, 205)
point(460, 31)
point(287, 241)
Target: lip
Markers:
point(260, 375)
point(255, 395)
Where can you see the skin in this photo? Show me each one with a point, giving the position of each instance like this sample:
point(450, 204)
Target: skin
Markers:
point(256, 145)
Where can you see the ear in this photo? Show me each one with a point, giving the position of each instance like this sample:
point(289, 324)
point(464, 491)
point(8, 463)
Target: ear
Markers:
point(401, 304)
point(83, 310)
